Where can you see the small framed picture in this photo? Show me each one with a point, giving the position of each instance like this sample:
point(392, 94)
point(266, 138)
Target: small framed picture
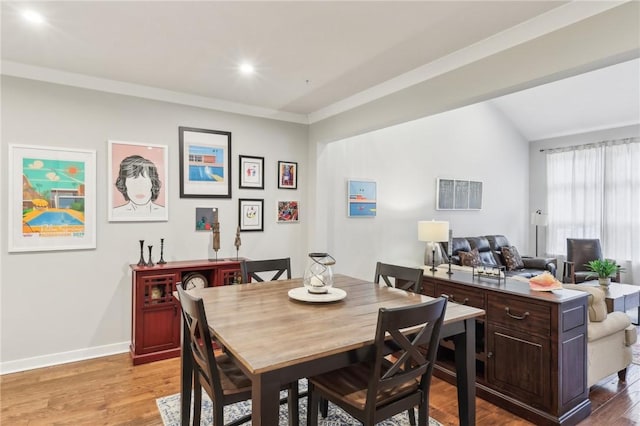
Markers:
point(287, 175)
point(251, 172)
point(361, 198)
point(205, 218)
point(251, 214)
point(287, 211)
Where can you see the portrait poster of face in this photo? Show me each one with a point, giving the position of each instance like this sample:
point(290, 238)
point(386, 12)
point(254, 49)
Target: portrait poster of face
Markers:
point(138, 187)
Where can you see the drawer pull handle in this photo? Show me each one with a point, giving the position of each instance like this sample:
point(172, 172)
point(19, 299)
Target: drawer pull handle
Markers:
point(526, 314)
point(464, 302)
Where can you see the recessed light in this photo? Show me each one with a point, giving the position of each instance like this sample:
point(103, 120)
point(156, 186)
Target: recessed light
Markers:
point(33, 16)
point(246, 68)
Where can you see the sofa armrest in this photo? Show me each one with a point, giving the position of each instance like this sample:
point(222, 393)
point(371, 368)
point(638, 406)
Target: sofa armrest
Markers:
point(544, 263)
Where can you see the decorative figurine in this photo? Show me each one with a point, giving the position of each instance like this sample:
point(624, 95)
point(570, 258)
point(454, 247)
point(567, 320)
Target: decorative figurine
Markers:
point(237, 242)
point(161, 261)
point(150, 262)
point(216, 238)
point(141, 262)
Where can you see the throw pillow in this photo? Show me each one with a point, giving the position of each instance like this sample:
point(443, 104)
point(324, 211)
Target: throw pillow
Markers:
point(512, 258)
point(469, 258)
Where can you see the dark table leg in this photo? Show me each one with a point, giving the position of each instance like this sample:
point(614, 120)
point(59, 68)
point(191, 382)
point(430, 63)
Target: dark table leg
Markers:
point(466, 373)
point(186, 376)
point(265, 396)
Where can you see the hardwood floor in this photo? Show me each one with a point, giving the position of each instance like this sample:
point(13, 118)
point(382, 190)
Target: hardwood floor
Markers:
point(110, 391)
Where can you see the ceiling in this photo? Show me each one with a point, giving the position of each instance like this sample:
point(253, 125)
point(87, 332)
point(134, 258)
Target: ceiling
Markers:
point(313, 59)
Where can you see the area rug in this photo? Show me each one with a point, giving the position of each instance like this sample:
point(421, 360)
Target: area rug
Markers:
point(169, 407)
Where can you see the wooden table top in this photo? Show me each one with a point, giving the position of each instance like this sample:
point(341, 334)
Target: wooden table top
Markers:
point(266, 330)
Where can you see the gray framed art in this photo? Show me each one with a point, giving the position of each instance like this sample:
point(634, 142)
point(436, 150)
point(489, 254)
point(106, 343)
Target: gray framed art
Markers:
point(457, 194)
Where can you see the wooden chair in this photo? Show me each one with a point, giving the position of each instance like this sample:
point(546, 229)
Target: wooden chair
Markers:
point(218, 374)
point(581, 251)
point(409, 279)
point(251, 268)
point(380, 387)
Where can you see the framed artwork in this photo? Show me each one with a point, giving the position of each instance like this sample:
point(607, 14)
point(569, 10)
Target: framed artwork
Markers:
point(251, 215)
point(205, 163)
point(52, 199)
point(205, 218)
point(287, 212)
point(455, 194)
point(137, 182)
point(361, 198)
point(287, 175)
point(251, 172)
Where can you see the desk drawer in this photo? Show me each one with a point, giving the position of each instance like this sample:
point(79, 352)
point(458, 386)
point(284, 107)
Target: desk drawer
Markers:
point(463, 295)
point(519, 314)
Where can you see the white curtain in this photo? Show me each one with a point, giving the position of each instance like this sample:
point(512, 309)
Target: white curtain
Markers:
point(593, 191)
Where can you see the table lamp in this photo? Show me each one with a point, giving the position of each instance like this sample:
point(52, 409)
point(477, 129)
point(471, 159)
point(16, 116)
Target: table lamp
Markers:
point(538, 219)
point(433, 232)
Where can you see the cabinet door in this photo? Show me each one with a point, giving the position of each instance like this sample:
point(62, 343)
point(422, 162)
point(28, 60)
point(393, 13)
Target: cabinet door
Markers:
point(228, 275)
point(158, 314)
point(519, 365)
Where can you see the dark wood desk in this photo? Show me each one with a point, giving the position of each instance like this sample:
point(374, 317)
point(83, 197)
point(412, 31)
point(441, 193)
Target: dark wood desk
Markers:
point(276, 340)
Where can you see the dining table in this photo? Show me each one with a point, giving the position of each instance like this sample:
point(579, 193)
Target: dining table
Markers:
point(277, 339)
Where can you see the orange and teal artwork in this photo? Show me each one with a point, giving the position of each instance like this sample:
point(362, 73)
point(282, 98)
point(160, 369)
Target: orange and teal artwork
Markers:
point(362, 198)
point(53, 197)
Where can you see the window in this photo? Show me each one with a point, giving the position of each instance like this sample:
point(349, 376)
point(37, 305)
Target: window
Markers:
point(593, 191)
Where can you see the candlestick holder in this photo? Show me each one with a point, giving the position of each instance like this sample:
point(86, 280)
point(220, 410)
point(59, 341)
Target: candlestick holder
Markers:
point(150, 262)
point(142, 262)
point(161, 261)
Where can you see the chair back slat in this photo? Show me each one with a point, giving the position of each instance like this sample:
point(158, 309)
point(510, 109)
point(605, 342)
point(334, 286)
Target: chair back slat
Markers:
point(405, 278)
point(251, 269)
point(413, 354)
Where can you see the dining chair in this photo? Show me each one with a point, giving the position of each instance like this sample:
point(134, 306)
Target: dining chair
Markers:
point(580, 251)
point(409, 279)
point(251, 268)
point(218, 374)
point(380, 386)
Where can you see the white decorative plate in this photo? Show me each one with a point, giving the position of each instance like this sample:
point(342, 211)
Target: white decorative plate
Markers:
point(303, 295)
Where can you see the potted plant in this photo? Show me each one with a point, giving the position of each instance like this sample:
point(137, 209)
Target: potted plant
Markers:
point(603, 269)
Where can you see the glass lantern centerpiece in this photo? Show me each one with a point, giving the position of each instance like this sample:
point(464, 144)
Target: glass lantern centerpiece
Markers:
point(318, 278)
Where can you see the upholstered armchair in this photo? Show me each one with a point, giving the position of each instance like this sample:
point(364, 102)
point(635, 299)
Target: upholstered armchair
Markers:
point(609, 337)
point(580, 251)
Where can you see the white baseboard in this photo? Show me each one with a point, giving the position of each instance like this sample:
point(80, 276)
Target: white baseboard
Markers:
point(62, 358)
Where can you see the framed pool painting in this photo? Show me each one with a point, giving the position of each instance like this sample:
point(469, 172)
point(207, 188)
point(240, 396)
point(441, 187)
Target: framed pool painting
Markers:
point(52, 198)
point(205, 163)
point(361, 198)
point(137, 182)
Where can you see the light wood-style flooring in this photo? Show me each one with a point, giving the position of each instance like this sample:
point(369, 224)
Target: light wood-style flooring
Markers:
point(110, 391)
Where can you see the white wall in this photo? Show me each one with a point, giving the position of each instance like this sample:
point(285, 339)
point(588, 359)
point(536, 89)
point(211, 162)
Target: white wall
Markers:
point(65, 305)
point(473, 142)
point(538, 169)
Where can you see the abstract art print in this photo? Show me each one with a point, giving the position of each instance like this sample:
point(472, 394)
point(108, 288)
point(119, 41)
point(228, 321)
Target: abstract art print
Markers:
point(251, 215)
point(251, 172)
point(287, 211)
point(205, 163)
point(137, 182)
point(52, 198)
point(457, 194)
point(361, 198)
point(205, 218)
point(287, 175)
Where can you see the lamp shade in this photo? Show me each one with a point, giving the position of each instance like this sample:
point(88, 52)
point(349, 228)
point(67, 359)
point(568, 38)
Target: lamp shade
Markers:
point(433, 230)
point(539, 219)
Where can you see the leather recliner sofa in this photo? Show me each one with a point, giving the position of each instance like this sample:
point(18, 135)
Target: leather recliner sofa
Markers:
point(490, 254)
